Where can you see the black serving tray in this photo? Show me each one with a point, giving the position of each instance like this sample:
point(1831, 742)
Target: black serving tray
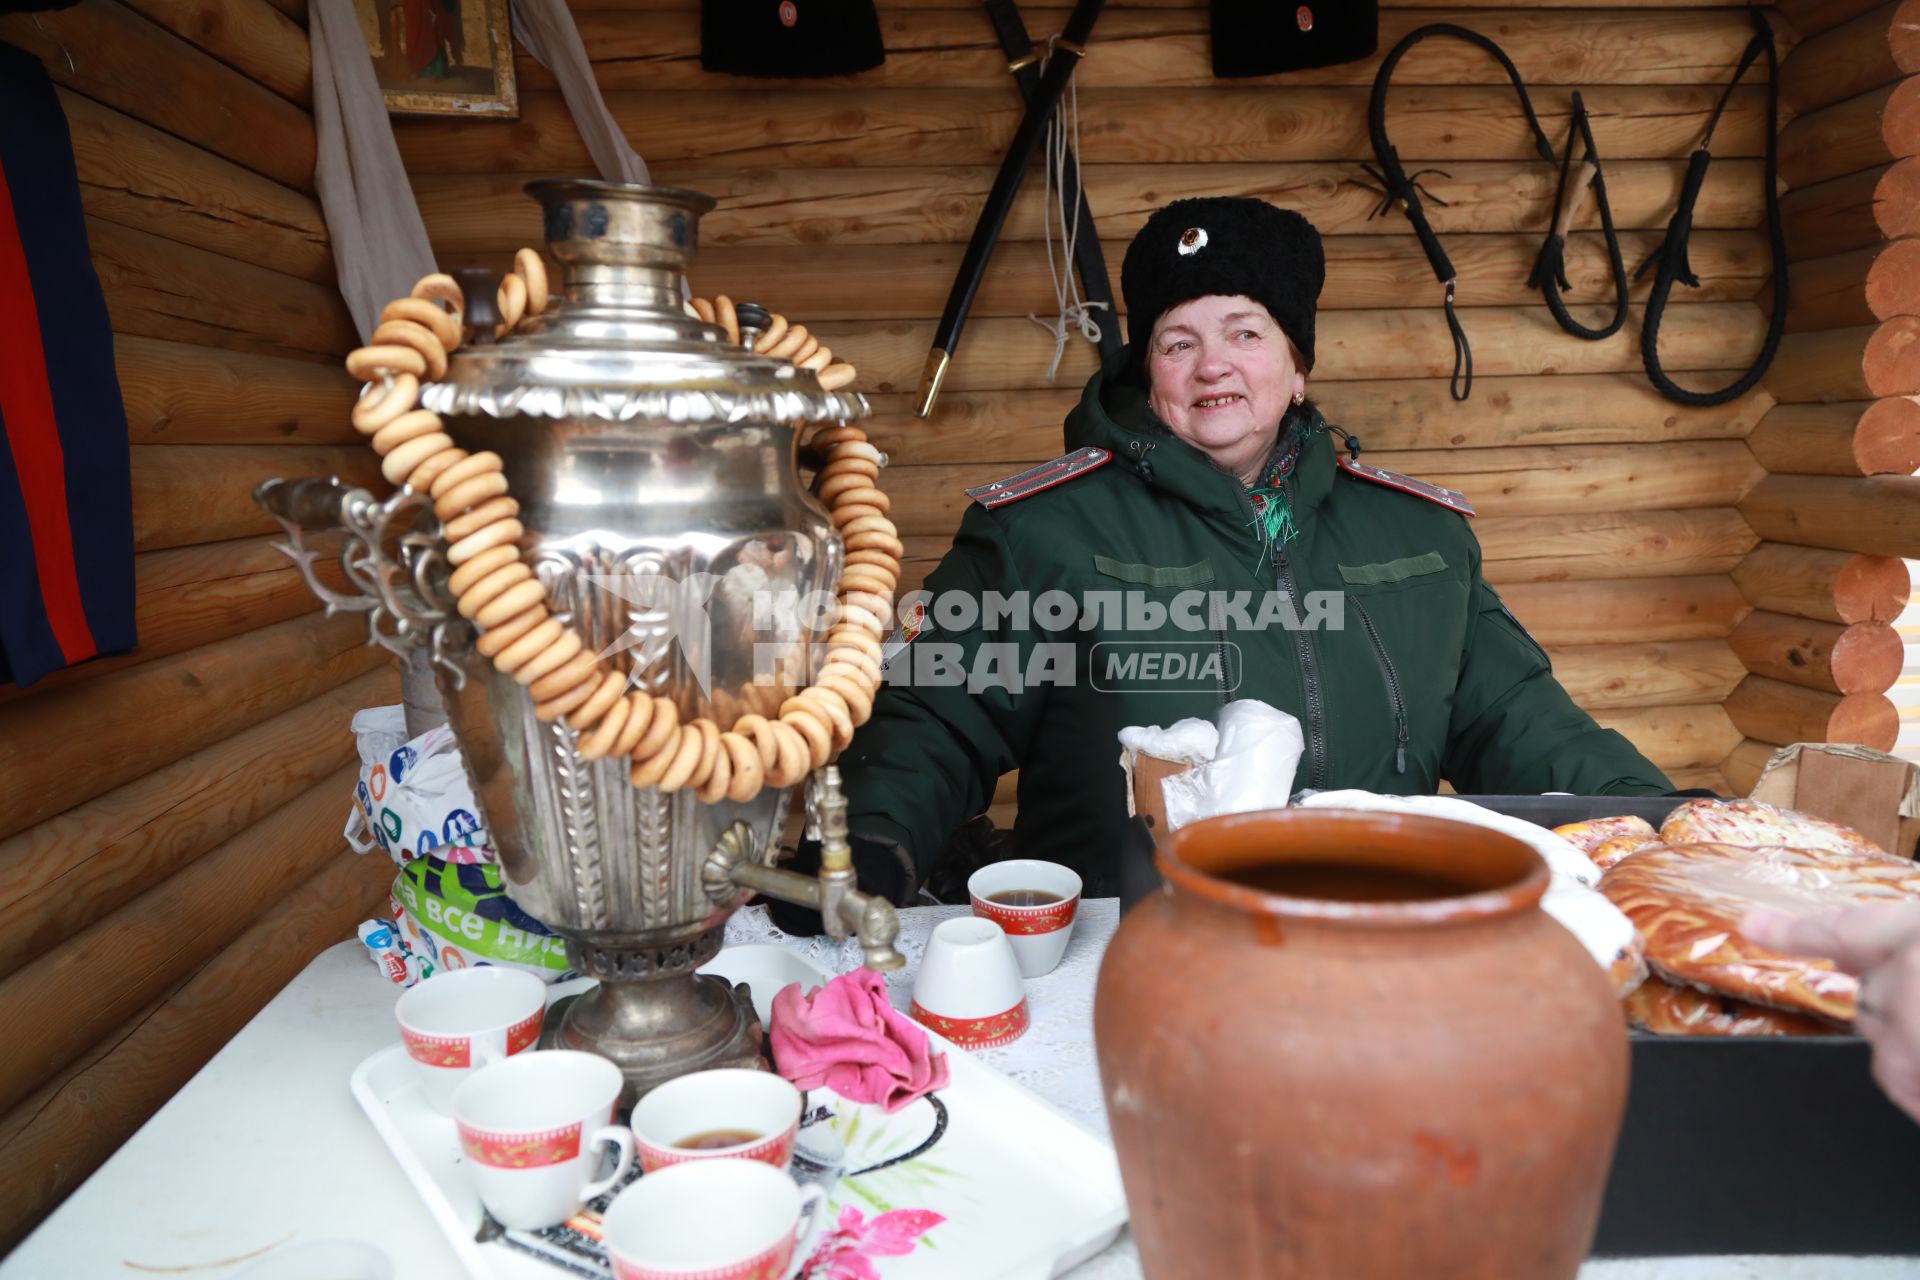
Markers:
point(1760, 1145)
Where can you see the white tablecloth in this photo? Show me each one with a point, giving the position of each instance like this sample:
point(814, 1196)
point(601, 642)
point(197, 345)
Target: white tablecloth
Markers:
point(265, 1147)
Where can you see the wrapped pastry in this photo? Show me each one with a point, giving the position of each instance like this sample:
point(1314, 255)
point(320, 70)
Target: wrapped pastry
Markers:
point(1661, 1007)
point(1753, 823)
point(1594, 832)
point(1688, 900)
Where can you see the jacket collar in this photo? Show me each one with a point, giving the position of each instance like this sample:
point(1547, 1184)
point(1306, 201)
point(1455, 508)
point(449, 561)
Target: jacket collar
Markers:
point(1113, 414)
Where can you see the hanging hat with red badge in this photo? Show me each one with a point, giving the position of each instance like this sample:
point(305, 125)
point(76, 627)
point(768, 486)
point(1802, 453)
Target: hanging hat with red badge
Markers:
point(1266, 37)
point(790, 38)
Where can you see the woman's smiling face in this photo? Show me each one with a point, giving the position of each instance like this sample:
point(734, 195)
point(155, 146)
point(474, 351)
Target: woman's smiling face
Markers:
point(1221, 374)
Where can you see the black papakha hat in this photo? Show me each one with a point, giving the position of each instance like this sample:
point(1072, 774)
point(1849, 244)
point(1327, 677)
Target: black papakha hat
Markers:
point(790, 38)
point(1266, 37)
point(1226, 245)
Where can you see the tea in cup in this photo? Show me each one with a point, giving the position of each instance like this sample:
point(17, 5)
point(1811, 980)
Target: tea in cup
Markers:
point(726, 1113)
point(1034, 902)
point(533, 1127)
point(727, 1219)
point(462, 1019)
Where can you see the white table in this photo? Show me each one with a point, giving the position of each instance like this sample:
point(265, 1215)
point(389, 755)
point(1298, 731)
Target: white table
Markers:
point(265, 1147)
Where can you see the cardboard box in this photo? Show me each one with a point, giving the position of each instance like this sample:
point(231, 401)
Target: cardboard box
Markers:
point(1876, 794)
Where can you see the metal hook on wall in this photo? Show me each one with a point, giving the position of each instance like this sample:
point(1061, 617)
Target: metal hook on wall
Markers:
point(64, 51)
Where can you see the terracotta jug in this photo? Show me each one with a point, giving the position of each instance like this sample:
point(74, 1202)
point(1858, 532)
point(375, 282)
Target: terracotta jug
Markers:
point(1385, 1062)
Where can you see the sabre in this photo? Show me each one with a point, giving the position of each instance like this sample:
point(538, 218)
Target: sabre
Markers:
point(1006, 185)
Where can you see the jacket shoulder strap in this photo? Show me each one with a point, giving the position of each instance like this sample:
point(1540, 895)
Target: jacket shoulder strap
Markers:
point(1452, 499)
point(1026, 483)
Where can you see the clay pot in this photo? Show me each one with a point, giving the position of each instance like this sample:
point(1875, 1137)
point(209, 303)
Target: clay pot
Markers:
point(1427, 1081)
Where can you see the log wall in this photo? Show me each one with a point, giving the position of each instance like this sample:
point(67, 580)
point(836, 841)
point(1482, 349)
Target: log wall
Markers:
point(169, 839)
point(1839, 504)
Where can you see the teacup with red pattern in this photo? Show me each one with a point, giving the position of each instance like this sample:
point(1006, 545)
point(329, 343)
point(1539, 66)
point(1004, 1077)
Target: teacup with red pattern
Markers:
point(1034, 902)
point(727, 1113)
point(459, 1020)
point(533, 1129)
point(968, 987)
point(727, 1219)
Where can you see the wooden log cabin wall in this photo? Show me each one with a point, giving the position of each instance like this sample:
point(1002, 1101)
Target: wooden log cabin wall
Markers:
point(170, 851)
point(1709, 581)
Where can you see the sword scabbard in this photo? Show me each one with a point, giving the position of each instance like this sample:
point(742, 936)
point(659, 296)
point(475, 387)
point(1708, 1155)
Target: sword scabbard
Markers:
point(931, 377)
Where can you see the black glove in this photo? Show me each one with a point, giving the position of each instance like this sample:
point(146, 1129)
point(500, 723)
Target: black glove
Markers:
point(879, 867)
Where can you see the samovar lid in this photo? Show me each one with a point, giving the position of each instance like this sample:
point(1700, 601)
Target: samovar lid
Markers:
point(617, 343)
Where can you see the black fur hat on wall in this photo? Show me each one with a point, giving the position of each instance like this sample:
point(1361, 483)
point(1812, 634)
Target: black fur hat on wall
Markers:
point(790, 38)
point(1265, 37)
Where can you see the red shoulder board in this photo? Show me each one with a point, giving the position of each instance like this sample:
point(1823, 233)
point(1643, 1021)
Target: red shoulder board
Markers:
point(1045, 476)
point(1452, 499)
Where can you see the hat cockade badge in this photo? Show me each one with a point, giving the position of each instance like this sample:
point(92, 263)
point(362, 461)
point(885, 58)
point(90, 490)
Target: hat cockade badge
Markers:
point(1192, 241)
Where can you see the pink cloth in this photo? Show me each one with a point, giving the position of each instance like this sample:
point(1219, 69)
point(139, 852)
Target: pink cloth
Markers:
point(847, 1037)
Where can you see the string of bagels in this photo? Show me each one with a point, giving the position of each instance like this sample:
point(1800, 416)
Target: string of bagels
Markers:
point(499, 593)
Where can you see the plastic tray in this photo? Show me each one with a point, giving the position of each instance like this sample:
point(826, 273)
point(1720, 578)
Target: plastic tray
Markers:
point(1025, 1191)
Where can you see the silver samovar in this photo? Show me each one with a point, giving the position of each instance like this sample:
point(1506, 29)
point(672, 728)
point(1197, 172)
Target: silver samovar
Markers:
point(656, 468)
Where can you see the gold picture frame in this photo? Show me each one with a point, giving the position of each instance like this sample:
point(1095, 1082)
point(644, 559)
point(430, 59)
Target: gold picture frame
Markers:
point(442, 57)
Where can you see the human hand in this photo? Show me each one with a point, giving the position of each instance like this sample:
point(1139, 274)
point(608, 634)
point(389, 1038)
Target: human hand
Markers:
point(1882, 946)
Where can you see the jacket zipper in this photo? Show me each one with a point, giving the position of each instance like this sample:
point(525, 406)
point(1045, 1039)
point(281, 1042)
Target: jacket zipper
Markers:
point(1309, 671)
point(1220, 649)
point(1393, 686)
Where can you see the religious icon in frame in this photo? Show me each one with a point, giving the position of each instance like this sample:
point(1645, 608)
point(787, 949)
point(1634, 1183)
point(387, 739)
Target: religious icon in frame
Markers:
point(441, 57)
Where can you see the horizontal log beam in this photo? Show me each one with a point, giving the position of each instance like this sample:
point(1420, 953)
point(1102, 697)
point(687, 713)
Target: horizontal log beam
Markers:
point(76, 868)
point(1850, 438)
point(1879, 515)
point(829, 127)
point(1809, 18)
point(1675, 737)
point(1863, 363)
point(953, 47)
point(181, 393)
point(186, 494)
point(835, 282)
point(1778, 712)
point(70, 997)
point(1597, 545)
point(139, 67)
point(1834, 216)
point(138, 176)
point(250, 36)
point(163, 289)
point(1627, 611)
point(155, 713)
point(1832, 586)
point(174, 619)
point(1616, 676)
point(1002, 354)
point(477, 213)
point(1865, 657)
point(1418, 413)
point(74, 1122)
point(1745, 763)
point(1830, 292)
point(1855, 57)
point(1864, 132)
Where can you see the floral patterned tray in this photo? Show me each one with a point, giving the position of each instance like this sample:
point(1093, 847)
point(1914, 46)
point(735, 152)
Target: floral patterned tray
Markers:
point(985, 1180)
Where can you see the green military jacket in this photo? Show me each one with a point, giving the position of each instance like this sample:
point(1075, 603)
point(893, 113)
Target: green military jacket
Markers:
point(1406, 668)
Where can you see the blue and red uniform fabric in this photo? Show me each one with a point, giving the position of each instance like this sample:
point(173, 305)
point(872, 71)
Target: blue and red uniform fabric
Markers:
point(66, 502)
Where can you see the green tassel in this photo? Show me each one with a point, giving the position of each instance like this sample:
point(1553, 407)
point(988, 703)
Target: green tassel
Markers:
point(1277, 517)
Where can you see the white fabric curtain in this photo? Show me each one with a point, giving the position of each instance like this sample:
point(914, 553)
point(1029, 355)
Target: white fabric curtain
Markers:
point(380, 244)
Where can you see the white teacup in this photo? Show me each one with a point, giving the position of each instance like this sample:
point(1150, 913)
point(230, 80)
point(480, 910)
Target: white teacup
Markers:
point(532, 1128)
point(1039, 933)
point(968, 988)
point(459, 1020)
point(713, 1220)
point(685, 1118)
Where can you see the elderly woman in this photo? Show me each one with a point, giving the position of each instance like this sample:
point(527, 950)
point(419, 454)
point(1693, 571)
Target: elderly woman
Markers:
point(1209, 537)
